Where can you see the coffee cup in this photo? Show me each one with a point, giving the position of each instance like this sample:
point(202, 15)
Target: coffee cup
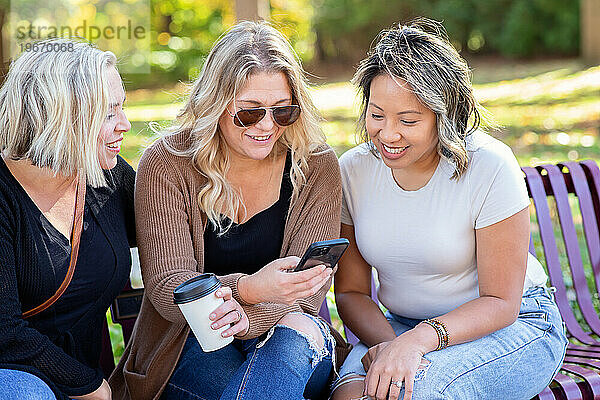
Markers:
point(196, 299)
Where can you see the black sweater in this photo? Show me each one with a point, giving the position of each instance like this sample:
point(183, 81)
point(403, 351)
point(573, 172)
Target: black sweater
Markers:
point(62, 350)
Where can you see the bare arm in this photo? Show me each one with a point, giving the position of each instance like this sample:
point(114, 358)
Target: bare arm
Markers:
point(353, 296)
point(501, 265)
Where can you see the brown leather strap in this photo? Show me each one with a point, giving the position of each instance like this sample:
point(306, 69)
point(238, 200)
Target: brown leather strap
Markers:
point(75, 239)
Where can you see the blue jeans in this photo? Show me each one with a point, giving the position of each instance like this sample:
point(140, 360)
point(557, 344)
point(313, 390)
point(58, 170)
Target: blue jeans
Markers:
point(19, 385)
point(516, 362)
point(282, 364)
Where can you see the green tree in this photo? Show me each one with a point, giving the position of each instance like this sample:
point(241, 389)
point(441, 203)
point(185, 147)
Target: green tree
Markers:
point(183, 31)
point(345, 28)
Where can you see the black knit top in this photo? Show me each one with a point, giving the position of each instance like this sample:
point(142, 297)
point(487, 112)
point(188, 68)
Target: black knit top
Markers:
point(250, 246)
point(62, 344)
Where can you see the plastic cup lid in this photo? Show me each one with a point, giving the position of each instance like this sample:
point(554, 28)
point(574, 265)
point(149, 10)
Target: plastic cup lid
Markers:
point(195, 288)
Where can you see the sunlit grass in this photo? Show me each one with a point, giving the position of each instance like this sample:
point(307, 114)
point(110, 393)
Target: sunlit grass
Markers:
point(550, 115)
point(555, 84)
point(493, 69)
point(548, 118)
point(116, 338)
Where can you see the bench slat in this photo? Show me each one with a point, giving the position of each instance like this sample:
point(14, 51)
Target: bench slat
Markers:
point(547, 394)
point(569, 386)
point(590, 362)
point(561, 196)
point(583, 190)
point(592, 173)
point(591, 380)
point(540, 201)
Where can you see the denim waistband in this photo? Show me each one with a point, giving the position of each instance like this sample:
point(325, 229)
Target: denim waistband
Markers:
point(531, 292)
point(547, 291)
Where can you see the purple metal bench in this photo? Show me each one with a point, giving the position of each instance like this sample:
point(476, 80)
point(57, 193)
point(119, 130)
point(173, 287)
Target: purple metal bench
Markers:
point(578, 378)
point(548, 185)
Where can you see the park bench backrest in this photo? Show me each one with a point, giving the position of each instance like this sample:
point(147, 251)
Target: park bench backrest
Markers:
point(123, 311)
point(558, 181)
point(575, 275)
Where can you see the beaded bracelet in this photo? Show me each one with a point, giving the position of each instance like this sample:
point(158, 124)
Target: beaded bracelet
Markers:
point(442, 336)
point(440, 329)
point(445, 336)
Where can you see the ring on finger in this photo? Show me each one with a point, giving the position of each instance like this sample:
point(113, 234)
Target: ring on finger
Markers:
point(239, 316)
point(398, 383)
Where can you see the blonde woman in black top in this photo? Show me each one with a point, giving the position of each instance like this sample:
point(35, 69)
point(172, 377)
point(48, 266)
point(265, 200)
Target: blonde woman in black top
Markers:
point(62, 124)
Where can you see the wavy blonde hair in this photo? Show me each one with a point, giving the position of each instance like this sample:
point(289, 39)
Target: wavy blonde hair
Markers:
point(52, 106)
point(420, 54)
point(247, 48)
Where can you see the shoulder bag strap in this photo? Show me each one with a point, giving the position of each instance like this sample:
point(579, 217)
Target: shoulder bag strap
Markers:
point(75, 239)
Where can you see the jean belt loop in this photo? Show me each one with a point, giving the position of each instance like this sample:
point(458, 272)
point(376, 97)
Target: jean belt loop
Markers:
point(549, 291)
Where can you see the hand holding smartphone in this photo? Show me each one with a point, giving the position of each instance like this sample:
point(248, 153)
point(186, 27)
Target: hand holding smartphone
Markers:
point(326, 252)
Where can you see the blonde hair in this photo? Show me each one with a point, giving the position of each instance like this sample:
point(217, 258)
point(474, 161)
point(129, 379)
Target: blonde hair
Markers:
point(52, 106)
point(421, 55)
point(247, 48)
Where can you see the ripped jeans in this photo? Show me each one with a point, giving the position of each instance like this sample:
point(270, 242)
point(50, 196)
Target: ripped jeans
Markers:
point(281, 364)
point(516, 362)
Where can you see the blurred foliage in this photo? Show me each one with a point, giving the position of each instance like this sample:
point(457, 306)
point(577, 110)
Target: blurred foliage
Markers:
point(294, 18)
point(340, 31)
point(119, 26)
point(345, 28)
point(183, 32)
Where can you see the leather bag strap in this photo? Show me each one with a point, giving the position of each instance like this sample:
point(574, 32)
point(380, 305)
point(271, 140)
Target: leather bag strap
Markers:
point(75, 239)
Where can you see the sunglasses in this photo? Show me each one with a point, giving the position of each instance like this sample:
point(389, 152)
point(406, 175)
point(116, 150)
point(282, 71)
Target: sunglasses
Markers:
point(282, 115)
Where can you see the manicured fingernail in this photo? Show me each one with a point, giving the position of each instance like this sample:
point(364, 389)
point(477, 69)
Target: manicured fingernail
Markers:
point(218, 292)
point(212, 316)
point(214, 325)
point(225, 334)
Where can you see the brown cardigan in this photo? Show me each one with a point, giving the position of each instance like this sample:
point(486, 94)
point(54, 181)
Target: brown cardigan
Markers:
point(170, 231)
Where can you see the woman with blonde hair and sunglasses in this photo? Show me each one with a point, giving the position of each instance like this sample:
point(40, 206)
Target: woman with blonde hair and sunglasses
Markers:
point(240, 187)
point(66, 219)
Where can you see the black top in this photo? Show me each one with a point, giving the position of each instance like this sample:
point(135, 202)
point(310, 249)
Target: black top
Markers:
point(62, 344)
point(94, 270)
point(250, 246)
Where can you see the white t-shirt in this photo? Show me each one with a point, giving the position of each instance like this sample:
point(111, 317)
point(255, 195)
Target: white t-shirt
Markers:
point(422, 242)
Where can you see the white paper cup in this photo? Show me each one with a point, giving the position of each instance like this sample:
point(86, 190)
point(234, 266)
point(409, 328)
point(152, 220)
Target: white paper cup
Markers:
point(196, 300)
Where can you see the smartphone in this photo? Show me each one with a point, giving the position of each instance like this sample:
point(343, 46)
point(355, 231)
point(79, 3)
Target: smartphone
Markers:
point(326, 252)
